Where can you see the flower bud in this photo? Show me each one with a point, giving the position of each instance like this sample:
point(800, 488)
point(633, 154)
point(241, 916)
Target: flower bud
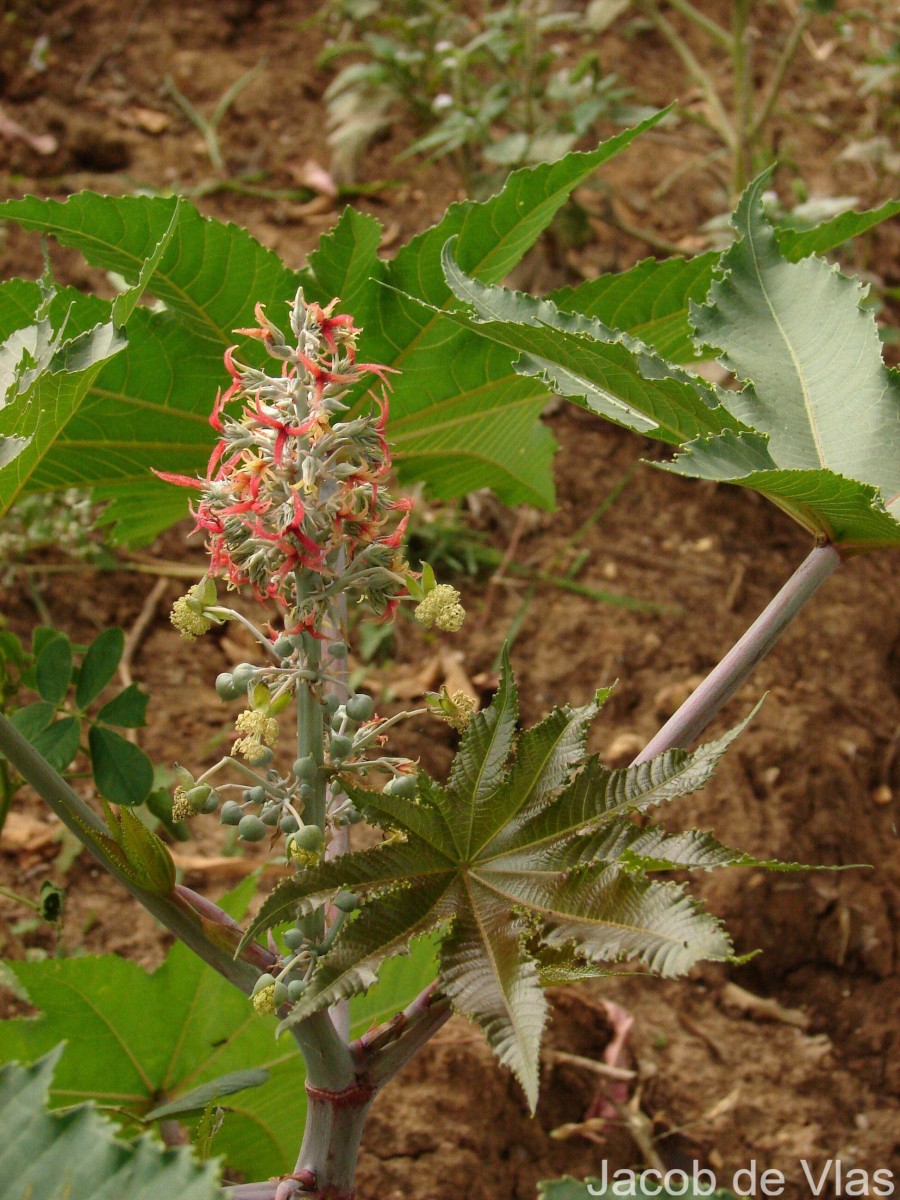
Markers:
point(293, 938)
point(305, 768)
point(231, 813)
point(401, 785)
point(251, 828)
point(360, 707)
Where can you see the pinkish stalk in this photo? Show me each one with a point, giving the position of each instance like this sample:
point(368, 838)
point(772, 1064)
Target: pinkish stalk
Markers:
point(724, 680)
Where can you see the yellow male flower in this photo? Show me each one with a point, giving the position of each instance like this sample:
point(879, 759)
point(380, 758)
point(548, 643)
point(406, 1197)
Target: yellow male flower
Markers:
point(441, 609)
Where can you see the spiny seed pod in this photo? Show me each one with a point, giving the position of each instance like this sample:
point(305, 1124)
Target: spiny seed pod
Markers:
point(360, 707)
point(401, 785)
point(293, 938)
point(251, 828)
point(346, 902)
point(231, 813)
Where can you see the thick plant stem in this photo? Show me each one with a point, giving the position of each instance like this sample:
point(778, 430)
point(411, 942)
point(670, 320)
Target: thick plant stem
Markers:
point(723, 681)
point(177, 913)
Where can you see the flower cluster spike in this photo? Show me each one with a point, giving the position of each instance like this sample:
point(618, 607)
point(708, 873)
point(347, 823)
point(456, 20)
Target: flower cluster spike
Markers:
point(291, 485)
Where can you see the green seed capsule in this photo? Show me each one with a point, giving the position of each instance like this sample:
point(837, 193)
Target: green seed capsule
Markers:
point(196, 797)
point(283, 647)
point(288, 823)
point(281, 994)
point(257, 795)
point(331, 704)
point(243, 675)
point(305, 791)
point(296, 988)
point(211, 803)
point(341, 747)
point(305, 768)
point(225, 686)
point(353, 816)
point(293, 938)
point(231, 813)
point(270, 814)
point(346, 902)
point(360, 707)
point(401, 785)
point(251, 828)
point(309, 837)
point(337, 721)
point(337, 650)
point(265, 980)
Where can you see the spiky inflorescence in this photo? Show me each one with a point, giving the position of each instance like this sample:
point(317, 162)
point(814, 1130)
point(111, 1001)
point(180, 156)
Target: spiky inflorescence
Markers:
point(290, 486)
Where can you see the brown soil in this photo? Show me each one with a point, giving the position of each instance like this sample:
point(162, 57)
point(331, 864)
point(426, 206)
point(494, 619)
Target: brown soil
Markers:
point(817, 776)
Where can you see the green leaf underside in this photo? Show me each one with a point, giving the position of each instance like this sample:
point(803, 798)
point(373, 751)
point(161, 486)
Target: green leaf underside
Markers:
point(77, 1156)
point(652, 300)
point(815, 384)
point(527, 865)
point(149, 1037)
point(460, 416)
point(816, 426)
point(208, 1093)
point(606, 370)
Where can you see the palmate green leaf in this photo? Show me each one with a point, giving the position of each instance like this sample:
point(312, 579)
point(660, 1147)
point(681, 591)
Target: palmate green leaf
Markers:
point(77, 1156)
point(815, 388)
point(147, 1038)
point(460, 419)
point(606, 370)
point(529, 869)
point(816, 426)
point(150, 407)
point(48, 366)
point(652, 300)
point(208, 273)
